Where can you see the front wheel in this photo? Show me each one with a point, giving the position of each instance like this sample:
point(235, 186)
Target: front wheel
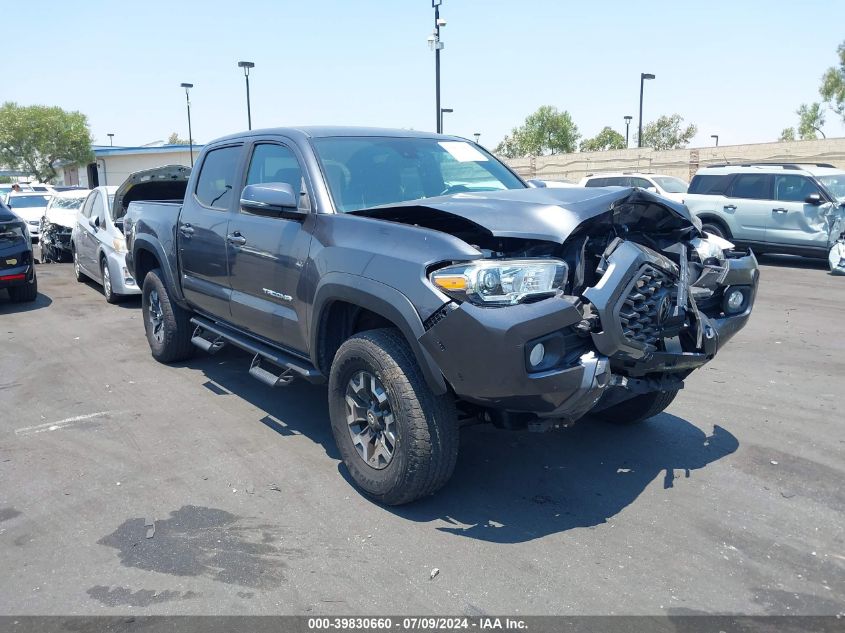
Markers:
point(108, 289)
point(715, 229)
point(167, 325)
point(639, 408)
point(398, 440)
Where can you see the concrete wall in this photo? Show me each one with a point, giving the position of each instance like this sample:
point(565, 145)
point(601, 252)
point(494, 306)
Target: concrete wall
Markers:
point(682, 163)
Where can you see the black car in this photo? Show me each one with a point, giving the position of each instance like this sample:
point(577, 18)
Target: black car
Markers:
point(17, 268)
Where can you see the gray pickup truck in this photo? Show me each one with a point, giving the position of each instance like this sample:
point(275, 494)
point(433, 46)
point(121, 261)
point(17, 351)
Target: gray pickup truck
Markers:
point(429, 286)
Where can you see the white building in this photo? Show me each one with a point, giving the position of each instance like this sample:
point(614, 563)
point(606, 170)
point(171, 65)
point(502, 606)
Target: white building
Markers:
point(112, 165)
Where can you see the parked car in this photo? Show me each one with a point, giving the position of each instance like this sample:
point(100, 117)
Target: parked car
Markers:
point(789, 208)
point(99, 248)
point(420, 277)
point(57, 224)
point(17, 266)
point(30, 207)
point(666, 186)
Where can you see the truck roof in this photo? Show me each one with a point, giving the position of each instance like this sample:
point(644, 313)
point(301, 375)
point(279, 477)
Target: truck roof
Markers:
point(320, 131)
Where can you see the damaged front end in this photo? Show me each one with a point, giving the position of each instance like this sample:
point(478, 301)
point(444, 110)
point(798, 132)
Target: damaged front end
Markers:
point(645, 298)
point(55, 241)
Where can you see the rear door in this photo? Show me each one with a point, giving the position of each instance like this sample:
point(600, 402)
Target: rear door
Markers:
point(748, 206)
point(203, 228)
point(267, 253)
point(793, 221)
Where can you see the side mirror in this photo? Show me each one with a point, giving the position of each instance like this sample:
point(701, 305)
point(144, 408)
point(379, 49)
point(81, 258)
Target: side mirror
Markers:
point(94, 223)
point(271, 198)
point(814, 198)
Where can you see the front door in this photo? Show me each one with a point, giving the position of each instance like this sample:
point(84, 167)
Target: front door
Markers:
point(267, 253)
point(793, 221)
point(86, 241)
point(202, 230)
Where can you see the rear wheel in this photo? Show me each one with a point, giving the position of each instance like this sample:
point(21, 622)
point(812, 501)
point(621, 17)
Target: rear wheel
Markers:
point(25, 293)
point(398, 440)
point(167, 325)
point(715, 229)
point(77, 269)
point(638, 408)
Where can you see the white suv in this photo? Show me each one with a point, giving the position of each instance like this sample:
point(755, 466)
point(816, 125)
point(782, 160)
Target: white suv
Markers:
point(794, 208)
point(666, 186)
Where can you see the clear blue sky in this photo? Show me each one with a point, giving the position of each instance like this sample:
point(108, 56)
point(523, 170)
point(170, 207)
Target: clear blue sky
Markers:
point(738, 69)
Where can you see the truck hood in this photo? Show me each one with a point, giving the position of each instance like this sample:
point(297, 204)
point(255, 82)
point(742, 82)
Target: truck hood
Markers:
point(166, 183)
point(540, 214)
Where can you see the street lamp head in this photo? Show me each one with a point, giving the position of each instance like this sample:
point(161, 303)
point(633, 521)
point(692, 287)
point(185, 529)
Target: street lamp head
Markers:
point(446, 110)
point(477, 136)
point(627, 118)
point(246, 65)
point(186, 86)
point(647, 76)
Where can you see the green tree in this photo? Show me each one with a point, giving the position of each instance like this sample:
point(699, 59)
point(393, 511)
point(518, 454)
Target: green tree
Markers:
point(788, 134)
point(174, 139)
point(833, 84)
point(546, 131)
point(811, 120)
point(34, 138)
point(607, 139)
point(667, 132)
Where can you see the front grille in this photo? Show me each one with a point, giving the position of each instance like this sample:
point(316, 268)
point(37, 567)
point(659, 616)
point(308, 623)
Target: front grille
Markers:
point(640, 314)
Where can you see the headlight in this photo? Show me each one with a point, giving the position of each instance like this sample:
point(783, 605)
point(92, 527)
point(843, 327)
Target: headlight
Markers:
point(119, 244)
point(501, 282)
point(712, 246)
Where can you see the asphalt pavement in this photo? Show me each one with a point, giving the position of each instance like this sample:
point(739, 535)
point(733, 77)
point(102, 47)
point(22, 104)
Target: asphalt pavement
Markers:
point(127, 486)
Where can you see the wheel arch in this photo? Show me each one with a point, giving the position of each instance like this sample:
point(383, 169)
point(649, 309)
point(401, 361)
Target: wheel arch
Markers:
point(147, 255)
point(346, 304)
point(714, 218)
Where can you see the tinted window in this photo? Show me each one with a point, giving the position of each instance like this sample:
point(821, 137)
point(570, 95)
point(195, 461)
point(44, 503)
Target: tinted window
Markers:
point(217, 177)
point(596, 182)
point(752, 186)
point(364, 172)
point(792, 188)
point(712, 185)
point(670, 184)
point(640, 182)
point(617, 181)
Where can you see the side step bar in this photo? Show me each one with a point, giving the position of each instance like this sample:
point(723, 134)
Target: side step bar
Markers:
point(291, 366)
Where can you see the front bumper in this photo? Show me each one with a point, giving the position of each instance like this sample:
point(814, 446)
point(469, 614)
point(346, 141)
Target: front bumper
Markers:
point(56, 236)
point(483, 352)
point(121, 279)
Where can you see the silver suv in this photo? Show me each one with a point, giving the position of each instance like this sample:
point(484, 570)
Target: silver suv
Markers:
point(794, 208)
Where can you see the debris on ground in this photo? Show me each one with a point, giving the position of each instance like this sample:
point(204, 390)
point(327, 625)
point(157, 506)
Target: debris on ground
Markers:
point(434, 573)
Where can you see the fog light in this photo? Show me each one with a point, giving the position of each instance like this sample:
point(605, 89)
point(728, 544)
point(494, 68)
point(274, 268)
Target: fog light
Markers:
point(537, 354)
point(735, 300)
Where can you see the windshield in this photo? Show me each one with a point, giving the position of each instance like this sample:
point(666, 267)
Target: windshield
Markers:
point(365, 172)
point(835, 184)
point(64, 202)
point(670, 184)
point(28, 202)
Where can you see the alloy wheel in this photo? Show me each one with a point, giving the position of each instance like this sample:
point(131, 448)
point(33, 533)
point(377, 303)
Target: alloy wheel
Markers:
point(155, 317)
point(370, 420)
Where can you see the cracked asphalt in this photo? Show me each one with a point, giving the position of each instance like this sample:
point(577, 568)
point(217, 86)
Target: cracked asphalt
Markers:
point(127, 486)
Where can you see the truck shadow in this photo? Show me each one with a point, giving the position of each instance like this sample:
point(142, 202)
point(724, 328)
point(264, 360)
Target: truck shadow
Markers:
point(512, 487)
point(508, 486)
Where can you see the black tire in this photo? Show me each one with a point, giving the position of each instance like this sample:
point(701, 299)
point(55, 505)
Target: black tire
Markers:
point(26, 293)
point(108, 290)
point(426, 428)
point(638, 408)
point(171, 342)
point(716, 229)
point(77, 269)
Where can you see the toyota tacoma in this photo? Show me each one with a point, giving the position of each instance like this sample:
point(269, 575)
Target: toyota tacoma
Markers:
point(429, 286)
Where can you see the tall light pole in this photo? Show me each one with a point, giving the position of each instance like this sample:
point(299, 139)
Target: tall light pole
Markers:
point(187, 87)
point(627, 118)
point(246, 66)
point(111, 139)
point(716, 136)
point(643, 77)
point(436, 45)
point(442, 112)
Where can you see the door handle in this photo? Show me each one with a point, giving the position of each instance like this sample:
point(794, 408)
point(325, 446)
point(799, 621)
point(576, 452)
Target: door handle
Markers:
point(236, 238)
point(730, 207)
point(780, 210)
point(187, 230)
